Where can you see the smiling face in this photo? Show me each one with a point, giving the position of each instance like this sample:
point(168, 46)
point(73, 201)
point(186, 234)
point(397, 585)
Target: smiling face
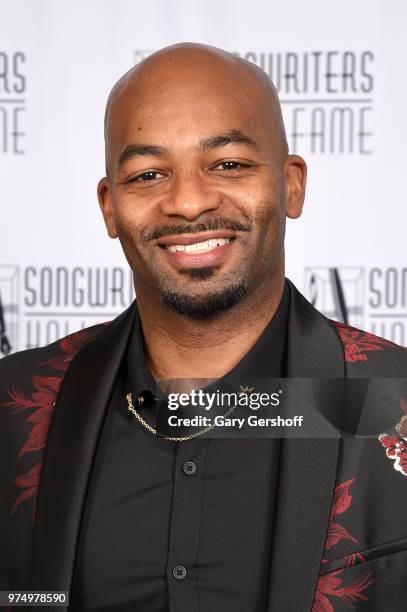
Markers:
point(199, 182)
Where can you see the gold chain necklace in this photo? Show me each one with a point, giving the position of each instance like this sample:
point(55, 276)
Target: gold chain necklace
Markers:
point(143, 422)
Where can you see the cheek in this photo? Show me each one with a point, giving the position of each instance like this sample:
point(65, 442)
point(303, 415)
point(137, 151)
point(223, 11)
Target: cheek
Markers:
point(263, 199)
point(130, 216)
point(271, 207)
point(267, 215)
point(268, 221)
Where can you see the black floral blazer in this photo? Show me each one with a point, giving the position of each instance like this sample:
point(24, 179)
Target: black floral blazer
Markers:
point(340, 532)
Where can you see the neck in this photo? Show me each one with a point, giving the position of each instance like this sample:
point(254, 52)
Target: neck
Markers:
point(178, 346)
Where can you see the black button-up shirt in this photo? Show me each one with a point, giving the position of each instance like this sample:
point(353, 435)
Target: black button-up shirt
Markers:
point(179, 526)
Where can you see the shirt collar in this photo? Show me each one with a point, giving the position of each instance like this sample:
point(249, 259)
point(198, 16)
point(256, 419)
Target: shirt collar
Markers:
point(266, 359)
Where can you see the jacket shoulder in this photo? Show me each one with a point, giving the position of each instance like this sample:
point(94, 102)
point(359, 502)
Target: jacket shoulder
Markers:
point(29, 385)
point(52, 359)
point(364, 348)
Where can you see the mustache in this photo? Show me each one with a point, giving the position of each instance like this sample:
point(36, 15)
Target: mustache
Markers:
point(202, 226)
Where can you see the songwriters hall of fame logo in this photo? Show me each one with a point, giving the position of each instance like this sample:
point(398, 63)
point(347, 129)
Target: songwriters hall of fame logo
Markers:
point(8, 310)
point(370, 298)
point(39, 305)
point(327, 97)
point(13, 90)
point(337, 292)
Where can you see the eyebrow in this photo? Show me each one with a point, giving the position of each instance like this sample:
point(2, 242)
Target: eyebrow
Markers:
point(135, 149)
point(206, 144)
point(221, 140)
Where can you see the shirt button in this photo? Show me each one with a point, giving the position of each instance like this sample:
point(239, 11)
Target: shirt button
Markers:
point(189, 468)
point(179, 572)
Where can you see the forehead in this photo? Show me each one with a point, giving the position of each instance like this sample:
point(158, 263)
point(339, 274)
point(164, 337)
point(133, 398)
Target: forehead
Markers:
point(184, 106)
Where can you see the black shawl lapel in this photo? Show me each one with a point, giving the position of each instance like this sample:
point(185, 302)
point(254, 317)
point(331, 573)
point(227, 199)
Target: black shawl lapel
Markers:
point(307, 469)
point(69, 453)
point(306, 474)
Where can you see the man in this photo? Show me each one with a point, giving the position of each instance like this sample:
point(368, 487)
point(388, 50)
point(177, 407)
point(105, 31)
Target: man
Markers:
point(198, 185)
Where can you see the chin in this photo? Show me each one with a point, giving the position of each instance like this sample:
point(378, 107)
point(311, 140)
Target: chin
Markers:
point(206, 306)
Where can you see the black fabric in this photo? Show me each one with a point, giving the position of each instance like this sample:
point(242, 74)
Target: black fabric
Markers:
point(146, 515)
point(335, 504)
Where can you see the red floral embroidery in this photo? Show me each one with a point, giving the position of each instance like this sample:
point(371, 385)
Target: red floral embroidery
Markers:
point(357, 342)
point(41, 404)
point(69, 346)
point(341, 502)
point(42, 400)
point(330, 584)
point(29, 482)
point(396, 443)
point(354, 558)
point(395, 449)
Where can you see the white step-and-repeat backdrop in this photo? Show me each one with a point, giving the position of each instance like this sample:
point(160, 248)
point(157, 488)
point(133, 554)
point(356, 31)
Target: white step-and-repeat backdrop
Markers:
point(340, 72)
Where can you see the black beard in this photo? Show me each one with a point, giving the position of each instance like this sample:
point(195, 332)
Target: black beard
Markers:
point(201, 273)
point(205, 307)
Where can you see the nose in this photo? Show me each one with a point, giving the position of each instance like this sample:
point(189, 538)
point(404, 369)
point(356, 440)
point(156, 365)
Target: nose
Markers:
point(189, 197)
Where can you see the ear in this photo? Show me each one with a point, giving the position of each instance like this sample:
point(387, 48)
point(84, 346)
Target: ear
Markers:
point(295, 173)
point(106, 205)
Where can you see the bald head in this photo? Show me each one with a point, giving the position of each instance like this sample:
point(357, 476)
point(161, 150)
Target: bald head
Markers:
point(195, 144)
point(195, 79)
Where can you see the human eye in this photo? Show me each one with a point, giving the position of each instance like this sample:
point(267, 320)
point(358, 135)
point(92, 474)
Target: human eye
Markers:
point(230, 165)
point(147, 176)
point(231, 168)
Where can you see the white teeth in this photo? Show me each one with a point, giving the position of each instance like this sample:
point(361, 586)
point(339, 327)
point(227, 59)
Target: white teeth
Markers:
point(202, 247)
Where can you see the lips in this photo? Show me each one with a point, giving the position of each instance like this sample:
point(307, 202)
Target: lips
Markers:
point(198, 247)
point(197, 250)
point(195, 238)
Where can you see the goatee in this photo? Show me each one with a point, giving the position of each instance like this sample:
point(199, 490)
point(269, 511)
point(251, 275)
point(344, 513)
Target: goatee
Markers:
point(204, 307)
